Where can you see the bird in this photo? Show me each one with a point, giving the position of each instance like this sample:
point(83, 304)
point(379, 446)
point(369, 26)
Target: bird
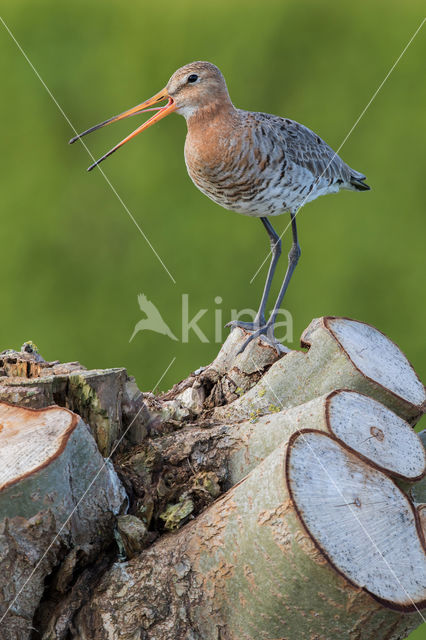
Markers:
point(252, 163)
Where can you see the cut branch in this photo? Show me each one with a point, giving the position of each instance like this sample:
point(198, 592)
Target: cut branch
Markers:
point(342, 353)
point(313, 539)
point(107, 400)
point(49, 462)
point(177, 461)
point(247, 568)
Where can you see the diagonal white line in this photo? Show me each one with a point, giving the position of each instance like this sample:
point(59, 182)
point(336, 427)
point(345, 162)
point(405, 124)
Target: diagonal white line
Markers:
point(101, 468)
point(113, 189)
point(354, 514)
point(349, 132)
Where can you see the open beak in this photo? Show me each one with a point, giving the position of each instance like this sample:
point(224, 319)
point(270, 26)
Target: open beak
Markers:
point(148, 105)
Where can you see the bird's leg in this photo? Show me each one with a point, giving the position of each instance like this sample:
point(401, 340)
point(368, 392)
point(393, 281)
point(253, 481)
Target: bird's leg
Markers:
point(293, 257)
point(259, 320)
point(276, 252)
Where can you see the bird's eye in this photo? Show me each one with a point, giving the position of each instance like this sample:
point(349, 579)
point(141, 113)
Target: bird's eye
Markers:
point(192, 78)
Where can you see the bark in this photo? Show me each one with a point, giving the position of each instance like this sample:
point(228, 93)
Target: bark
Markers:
point(313, 539)
point(249, 569)
point(174, 477)
point(342, 353)
point(48, 462)
point(418, 492)
point(421, 510)
point(107, 400)
point(228, 377)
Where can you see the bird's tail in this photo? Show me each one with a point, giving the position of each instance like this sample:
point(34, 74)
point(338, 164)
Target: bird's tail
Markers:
point(360, 185)
point(357, 182)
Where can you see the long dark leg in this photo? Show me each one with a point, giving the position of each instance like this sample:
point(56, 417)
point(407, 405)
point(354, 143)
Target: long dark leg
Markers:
point(293, 258)
point(276, 252)
point(259, 320)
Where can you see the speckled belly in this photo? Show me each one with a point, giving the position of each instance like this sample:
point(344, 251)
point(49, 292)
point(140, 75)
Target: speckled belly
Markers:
point(266, 193)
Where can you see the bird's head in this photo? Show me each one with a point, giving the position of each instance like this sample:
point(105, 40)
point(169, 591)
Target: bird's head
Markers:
point(196, 86)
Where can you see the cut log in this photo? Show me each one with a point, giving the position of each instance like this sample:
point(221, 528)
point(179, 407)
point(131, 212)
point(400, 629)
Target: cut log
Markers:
point(231, 451)
point(363, 424)
point(360, 520)
point(418, 490)
point(421, 510)
point(107, 400)
point(256, 563)
point(341, 353)
point(249, 569)
point(56, 496)
point(376, 433)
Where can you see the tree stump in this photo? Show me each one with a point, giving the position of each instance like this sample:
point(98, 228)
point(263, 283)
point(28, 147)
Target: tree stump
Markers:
point(58, 500)
point(106, 399)
point(270, 496)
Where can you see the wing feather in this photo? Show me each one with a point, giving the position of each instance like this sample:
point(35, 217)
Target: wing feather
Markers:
point(306, 149)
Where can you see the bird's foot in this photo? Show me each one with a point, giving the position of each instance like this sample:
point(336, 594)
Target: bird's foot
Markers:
point(247, 326)
point(267, 334)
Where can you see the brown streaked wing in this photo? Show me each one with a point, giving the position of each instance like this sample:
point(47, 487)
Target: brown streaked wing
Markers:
point(305, 148)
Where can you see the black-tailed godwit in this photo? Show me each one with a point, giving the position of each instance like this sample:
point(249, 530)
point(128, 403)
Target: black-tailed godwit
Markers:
point(253, 163)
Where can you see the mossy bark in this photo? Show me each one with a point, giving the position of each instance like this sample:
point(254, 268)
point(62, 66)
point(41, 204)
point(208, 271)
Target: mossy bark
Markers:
point(107, 400)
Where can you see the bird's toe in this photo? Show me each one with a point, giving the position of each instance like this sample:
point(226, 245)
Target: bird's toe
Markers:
point(266, 333)
point(247, 326)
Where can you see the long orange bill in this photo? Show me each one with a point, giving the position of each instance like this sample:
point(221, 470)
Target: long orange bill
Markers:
point(162, 112)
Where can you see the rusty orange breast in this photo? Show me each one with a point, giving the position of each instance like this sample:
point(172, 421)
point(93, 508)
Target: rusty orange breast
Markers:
point(208, 142)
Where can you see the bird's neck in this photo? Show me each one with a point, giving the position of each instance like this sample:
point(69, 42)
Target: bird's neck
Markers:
point(210, 114)
point(210, 131)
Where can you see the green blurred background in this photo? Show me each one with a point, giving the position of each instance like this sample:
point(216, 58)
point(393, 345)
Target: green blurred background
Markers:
point(72, 260)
